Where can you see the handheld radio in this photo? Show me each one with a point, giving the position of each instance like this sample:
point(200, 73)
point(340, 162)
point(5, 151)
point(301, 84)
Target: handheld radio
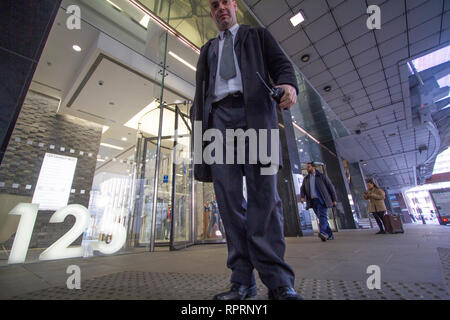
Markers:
point(275, 93)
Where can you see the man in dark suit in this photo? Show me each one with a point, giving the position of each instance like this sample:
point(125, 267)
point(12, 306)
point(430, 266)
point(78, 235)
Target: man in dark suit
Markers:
point(229, 95)
point(320, 195)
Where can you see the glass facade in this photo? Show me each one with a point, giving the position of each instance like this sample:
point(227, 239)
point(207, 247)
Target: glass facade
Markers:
point(105, 127)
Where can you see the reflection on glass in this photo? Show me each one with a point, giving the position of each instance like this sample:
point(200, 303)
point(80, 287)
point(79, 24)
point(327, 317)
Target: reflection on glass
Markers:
point(191, 18)
point(183, 198)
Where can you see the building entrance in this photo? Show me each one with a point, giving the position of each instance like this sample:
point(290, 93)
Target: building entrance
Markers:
point(163, 211)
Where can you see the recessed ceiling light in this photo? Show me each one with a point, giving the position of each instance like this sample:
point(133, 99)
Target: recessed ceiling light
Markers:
point(111, 103)
point(305, 58)
point(124, 139)
point(76, 48)
point(327, 88)
point(297, 19)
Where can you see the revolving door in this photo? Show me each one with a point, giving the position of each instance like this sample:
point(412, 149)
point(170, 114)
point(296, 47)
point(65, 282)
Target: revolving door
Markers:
point(164, 182)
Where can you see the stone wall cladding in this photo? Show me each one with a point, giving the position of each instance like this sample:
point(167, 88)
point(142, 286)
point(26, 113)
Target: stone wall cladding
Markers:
point(38, 128)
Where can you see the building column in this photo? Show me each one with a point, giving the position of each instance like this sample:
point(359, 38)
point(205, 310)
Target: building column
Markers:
point(336, 173)
point(357, 188)
point(291, 166)
point(26, 26)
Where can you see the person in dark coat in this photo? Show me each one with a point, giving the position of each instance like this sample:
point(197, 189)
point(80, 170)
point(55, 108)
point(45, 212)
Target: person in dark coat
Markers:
point(229, 95)
point(320, 195)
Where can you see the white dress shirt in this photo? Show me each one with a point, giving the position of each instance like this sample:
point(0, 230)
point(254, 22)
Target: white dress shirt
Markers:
point(312, 185)
point(225, 87)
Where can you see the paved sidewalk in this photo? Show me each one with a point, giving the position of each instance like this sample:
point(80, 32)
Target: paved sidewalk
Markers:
point(414, 265)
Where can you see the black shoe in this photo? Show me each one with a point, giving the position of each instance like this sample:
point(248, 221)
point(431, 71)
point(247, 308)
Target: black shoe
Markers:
point(237, 292)
point(381, 232)
point(323, 237)
point(330, 237)
point(284, 293)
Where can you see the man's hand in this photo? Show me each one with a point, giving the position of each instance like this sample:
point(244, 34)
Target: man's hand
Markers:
point(289, 98)
point(302, 200)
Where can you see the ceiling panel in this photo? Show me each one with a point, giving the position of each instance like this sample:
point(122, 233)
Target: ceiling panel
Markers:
point(336, 57)
point(320, 28)
point(282, 28)
point(396, 43)
point(424, 12)
point(268, 11)
point(296, 43)
point(353, 87)
point(373, 78)
point(362, 44)
point(312, 10)
point(347, 78)
point(329, 43)
point(392, 10)
point(349, 11)
point(354, 29)
point(365, 68)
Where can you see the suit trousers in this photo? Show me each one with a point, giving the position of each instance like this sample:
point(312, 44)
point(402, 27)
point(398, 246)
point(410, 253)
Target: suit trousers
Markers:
point(253, 227)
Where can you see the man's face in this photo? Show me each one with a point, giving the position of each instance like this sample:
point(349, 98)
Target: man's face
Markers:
point(223, 12)
point(310, 168)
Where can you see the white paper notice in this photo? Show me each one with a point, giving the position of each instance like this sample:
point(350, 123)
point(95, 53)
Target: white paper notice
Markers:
point(54, 182)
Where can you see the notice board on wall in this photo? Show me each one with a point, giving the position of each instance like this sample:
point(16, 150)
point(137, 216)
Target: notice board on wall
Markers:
point(54, 182)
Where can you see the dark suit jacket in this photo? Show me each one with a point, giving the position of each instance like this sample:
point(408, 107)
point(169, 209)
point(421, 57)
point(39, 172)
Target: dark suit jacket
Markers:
point(325, 187)
point(256, 51)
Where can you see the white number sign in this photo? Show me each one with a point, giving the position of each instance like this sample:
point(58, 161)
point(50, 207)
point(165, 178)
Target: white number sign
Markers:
point(28, 213)
point(60, 249)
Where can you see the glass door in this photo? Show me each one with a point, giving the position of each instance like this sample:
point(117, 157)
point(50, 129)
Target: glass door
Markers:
point(171, 192)
point(182, 186)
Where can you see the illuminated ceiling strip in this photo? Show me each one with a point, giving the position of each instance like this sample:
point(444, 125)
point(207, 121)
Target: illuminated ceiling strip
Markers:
point(114, 5)
point(145, 20)
point(111, 146)
point(182, 61)
point(164, 25)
